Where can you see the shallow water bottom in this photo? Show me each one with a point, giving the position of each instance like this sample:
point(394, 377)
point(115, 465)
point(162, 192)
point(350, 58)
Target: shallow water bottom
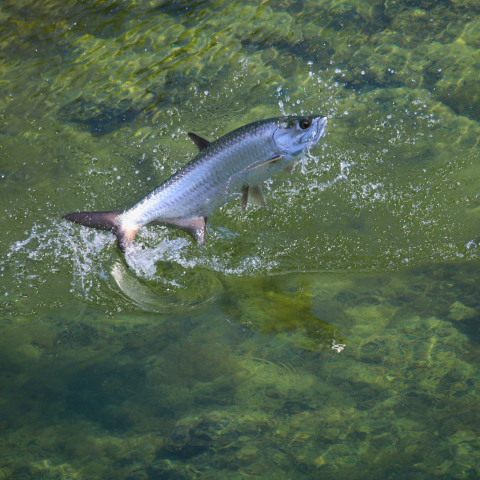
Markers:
point(296, 376)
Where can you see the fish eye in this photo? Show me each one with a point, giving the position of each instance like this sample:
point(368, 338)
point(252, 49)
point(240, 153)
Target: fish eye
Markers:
point(305, 123)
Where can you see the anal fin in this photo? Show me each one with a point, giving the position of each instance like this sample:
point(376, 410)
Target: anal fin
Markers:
point(194, 226)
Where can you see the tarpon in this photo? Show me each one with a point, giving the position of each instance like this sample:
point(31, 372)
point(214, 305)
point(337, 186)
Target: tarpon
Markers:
point(233, 166)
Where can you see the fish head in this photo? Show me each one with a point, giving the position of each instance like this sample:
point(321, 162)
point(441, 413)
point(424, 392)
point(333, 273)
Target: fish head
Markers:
point(295, 134)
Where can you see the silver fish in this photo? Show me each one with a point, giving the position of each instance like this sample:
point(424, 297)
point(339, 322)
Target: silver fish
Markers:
point(233, 166)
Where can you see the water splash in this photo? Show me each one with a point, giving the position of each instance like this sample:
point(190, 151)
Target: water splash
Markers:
point(150, 279)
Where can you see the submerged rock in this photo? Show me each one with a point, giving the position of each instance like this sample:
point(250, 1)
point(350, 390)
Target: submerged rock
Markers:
point(458, 311)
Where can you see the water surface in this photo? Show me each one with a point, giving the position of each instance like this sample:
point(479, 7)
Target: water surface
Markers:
point(333, 334)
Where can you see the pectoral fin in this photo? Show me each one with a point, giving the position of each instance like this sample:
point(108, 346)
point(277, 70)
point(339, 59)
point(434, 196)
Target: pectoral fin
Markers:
point(200, 142)
point(289, 168)
point(253, 195)
point(194, 226)
point(274, 159)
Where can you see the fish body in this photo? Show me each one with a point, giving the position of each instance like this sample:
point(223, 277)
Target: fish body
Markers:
point(232, 166)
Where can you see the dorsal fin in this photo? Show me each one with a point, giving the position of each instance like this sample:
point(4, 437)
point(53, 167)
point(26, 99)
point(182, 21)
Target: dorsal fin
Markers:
point(200, 142)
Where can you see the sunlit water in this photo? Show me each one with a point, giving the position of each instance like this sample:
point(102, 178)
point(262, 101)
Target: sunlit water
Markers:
point(333, 334)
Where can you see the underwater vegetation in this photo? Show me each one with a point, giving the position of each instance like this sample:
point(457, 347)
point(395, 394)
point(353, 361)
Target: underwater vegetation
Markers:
point(204, 397)
point(129, 62)
point(262, 304)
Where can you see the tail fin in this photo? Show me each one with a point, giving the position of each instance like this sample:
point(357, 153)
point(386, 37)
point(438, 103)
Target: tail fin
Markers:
point(105, 221)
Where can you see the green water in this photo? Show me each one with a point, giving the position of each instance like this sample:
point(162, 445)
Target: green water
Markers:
point(333, 334)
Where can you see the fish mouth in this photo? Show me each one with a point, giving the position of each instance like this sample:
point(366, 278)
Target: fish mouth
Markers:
point(305, 140)
point(320, 124)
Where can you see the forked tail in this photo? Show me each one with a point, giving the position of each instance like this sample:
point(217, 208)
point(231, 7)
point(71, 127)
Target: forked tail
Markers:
point(105, 221)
